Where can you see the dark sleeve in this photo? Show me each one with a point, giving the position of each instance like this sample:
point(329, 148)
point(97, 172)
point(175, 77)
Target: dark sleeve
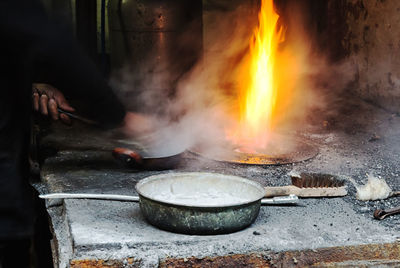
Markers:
point(55, 51)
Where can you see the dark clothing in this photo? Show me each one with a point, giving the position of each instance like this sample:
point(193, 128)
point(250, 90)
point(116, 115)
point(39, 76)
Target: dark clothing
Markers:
point(31, 47)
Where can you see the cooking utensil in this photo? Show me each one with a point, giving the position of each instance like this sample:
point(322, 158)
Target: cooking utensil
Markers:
point(135, 160)
point(380, 214)
point(77, 117)
point(310, 185)
point(197, 203)
point(278, 200)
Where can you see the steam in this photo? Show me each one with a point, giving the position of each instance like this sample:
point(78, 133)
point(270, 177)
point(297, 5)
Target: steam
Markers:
point(205, 102)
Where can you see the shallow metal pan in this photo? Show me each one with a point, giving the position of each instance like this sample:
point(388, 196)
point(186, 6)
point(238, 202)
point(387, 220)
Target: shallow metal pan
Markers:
point(199, 203)
point(196, 202)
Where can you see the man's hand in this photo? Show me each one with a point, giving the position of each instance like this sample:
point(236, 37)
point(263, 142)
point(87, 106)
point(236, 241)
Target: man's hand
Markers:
point(48, 99)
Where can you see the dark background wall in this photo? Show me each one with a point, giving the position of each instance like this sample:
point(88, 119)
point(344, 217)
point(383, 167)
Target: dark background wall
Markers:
point(365, 33)
point(372, 43)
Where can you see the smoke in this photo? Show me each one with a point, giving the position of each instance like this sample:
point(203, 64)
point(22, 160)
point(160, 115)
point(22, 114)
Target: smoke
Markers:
point(206, 99)
point(204, 104)
point(144, 86)
point(321, 84)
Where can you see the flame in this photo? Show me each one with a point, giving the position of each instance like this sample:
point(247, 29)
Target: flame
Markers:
point(265, 92)
point(261, 91)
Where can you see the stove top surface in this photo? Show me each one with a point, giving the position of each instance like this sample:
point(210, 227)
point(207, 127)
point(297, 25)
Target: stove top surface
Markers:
point(285, 150)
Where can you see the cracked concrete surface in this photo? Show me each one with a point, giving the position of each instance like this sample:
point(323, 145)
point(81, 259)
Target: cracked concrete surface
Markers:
point(114, 230)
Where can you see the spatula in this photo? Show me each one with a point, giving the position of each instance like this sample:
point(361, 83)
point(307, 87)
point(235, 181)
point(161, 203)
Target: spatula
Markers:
point(310, 185)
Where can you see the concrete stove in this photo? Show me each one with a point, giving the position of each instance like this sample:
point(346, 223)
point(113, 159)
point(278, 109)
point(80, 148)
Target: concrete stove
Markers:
point(326, 231)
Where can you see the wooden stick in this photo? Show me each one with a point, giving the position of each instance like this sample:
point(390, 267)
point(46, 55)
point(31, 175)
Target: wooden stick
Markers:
point(305, 192)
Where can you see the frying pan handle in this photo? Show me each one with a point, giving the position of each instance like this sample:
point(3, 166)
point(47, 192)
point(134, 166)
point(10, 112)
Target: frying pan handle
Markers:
point(281, 200)
point(77, 117)
point(128, 156)
point(112, 197)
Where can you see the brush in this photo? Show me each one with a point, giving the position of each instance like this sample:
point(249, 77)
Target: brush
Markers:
point(310, 185)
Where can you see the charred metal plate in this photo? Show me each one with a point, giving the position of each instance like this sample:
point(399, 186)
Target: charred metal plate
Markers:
point(284, 150)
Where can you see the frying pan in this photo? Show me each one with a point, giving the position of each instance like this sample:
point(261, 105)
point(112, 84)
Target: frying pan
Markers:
point(159, 150)
point(134, 159)
point(195, 202)
point(199, 203)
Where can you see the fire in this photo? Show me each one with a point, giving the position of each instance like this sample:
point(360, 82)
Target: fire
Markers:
point(264, 91)
point(261, 87)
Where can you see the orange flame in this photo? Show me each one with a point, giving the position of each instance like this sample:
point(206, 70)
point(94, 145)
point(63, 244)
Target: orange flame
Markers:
point(264, 93)
point(260, 95)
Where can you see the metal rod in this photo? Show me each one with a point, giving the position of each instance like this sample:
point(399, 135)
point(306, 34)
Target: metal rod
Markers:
point(279, 200)
point(113, 197)
point(77, 117)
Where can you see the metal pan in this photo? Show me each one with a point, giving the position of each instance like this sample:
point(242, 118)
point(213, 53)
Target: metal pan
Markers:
point(196, 203)
point(134, 159)
point(199, 203)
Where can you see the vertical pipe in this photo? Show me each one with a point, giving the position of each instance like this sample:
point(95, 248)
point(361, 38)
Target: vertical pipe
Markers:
point(123, 29)
point(103, 37)
point(73, 16)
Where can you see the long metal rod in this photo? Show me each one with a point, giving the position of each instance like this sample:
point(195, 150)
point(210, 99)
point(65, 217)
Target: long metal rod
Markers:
point(112, 197)
point(280, 200)
point(77, 117)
